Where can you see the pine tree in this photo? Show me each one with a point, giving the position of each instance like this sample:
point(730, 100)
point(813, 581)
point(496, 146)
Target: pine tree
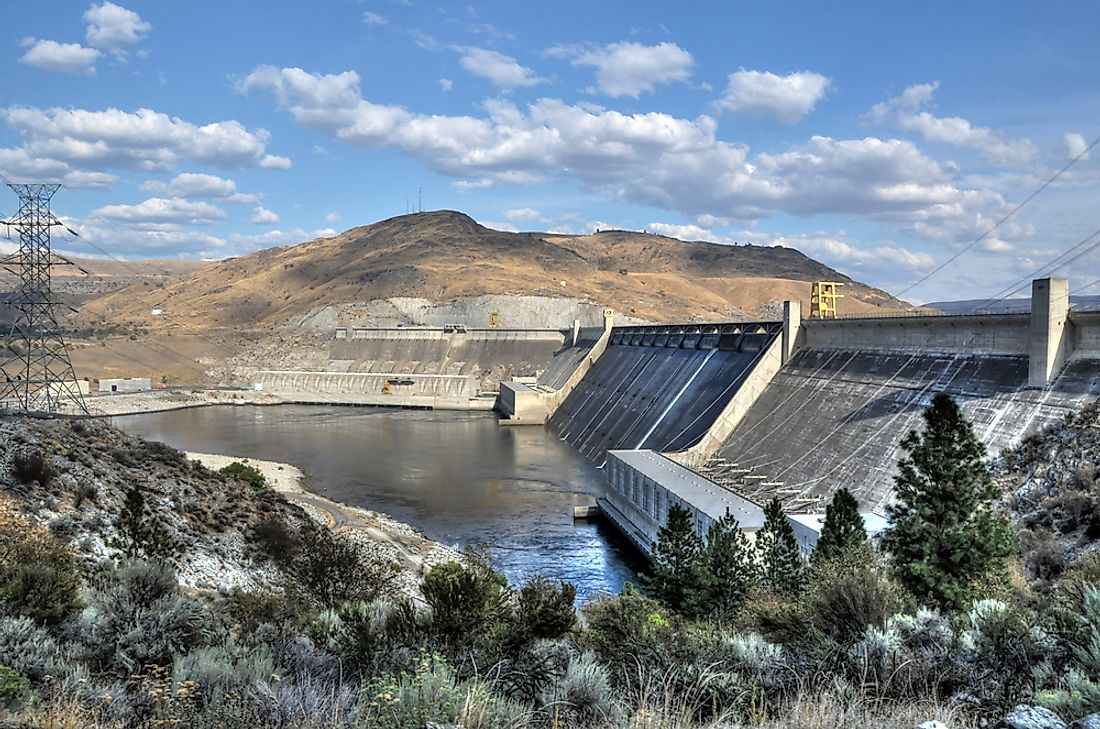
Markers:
point(729, 568)
point(945, 534)
point(674, 578)
point(843, 529)
point(141, 535)
point(777, 549)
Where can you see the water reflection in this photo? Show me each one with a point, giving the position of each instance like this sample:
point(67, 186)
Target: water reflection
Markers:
point(459, 477)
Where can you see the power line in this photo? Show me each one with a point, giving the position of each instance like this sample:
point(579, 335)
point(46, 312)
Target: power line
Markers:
point(1022, 283)
point(1050, 181)
point(1086, 286)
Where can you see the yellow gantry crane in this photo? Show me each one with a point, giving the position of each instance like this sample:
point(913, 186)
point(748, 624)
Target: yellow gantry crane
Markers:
point(823, 298)
point(494, 319)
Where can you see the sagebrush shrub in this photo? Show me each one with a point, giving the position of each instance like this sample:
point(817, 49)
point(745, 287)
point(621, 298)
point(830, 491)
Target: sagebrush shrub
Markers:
point(137, 617)
point(582, 697)
point(27, 648)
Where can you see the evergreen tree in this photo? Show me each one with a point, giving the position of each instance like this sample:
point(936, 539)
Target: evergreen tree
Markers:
point(729, 568)
point(139, 534)
point(780, 562)
point(674, 578)
point(843, 529)
point(944, 533)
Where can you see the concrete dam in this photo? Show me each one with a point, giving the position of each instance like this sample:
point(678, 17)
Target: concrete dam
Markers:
point(451, 367)
point(725, 416)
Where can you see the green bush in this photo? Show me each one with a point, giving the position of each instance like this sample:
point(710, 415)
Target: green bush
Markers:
point(467, 601)
point(544, 610)
point(14, 687)
point(629, 630)
point(274, 539)
point(334, 568)
point(249, 474)
point(39, 574)
point(845, 596)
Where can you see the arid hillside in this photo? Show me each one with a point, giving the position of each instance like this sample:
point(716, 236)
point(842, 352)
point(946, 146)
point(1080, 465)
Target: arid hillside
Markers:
point(445, 256)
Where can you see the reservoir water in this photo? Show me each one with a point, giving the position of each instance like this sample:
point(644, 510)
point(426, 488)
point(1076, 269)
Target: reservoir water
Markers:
point(460, 478)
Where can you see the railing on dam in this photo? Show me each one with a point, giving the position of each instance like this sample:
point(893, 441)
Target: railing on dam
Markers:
point(730, 337)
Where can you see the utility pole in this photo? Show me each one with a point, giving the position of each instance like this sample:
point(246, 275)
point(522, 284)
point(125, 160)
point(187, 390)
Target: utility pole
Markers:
point(36, 375)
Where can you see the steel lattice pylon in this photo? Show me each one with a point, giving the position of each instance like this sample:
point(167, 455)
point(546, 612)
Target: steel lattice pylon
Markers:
point(37, 375)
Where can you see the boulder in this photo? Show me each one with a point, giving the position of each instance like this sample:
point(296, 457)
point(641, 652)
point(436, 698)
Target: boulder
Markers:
point(931, 724)
point(1092, 721)
point(1032, 717)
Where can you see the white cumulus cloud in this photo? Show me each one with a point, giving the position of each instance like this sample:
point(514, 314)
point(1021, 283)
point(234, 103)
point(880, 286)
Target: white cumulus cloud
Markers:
point(163, 210)
point(1074, 144)
point(60, 57)
point(629, 69)
point(502, 71)
point(371, 18)
point(113, 27)
point(263, 216)
point(195, 184)
point(142, 140)
point(274, 162)
point(645, 158)
point(907, 112)
point(765, 94)
point(523, 214)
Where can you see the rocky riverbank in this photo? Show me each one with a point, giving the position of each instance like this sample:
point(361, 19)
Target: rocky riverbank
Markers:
point(389, 539)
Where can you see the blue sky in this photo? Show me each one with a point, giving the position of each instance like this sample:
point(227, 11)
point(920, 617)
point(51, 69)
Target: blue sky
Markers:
point(880, 138)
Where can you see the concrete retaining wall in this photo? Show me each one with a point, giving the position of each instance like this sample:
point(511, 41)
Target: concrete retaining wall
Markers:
point(985, 334)
point(1086, 331)
point(453, 392)
point(492, 354)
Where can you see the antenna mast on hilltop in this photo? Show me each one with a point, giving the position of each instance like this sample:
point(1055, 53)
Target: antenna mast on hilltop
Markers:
point(36, 375)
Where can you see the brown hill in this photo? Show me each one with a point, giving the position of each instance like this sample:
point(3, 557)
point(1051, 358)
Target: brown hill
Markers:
point(443, 256)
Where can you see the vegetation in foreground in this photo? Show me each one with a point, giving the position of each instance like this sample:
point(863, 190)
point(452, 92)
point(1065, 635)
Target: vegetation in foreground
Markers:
point(941, 620)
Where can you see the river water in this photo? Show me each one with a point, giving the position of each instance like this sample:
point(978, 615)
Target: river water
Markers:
point(460, 478)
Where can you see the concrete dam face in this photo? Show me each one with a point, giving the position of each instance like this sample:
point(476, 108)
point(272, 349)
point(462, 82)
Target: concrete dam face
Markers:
point(658, 390)
point(836, 417)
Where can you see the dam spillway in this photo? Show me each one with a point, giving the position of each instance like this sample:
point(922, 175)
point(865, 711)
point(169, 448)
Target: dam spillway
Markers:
point(659, 388)
point(836, 417)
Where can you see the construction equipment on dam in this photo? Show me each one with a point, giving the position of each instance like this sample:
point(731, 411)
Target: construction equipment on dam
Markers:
point(729, 415)
point(823, 300)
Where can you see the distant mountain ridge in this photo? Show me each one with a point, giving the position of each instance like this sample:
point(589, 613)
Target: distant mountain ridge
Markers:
point(445, 256)
point(1007, 306)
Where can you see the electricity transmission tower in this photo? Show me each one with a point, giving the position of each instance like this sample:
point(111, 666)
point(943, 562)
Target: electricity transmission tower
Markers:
point(36, 375)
